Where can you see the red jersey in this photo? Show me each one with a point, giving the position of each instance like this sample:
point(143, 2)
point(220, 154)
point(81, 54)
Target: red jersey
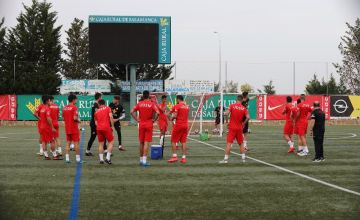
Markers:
point(288, 108)
point(162, 115)
point(37, 112)
point(44, 114)
point(182, 116)
point(69, 112)
point(304, 110)
point(294, 111)
point(54, 111)
point(102, 118)
point(146, 110)
point(238, 112)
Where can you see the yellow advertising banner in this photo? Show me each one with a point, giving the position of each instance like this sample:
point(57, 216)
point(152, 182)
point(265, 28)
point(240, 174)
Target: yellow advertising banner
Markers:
point(355, 101)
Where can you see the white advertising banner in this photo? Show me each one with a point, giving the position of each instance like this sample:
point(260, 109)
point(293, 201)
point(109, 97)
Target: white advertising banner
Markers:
point(189, 86)
point(85, 86)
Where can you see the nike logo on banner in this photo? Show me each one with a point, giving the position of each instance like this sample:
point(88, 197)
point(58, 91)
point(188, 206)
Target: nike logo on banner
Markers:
point(275, 107)
point(2, 106)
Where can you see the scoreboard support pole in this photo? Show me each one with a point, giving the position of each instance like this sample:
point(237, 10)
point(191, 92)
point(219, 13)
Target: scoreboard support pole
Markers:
point(132, 89)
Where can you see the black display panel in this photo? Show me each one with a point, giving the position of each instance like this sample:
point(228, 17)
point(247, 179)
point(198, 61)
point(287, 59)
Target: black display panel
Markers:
point(121, 43)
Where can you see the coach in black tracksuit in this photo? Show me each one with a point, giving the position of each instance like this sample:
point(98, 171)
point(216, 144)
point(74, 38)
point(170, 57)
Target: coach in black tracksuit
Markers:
point(98, 96)
point(118, 114)
point(317, 126)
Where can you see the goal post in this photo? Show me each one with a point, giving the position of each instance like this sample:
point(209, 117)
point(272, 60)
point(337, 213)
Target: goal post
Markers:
point(202, 113)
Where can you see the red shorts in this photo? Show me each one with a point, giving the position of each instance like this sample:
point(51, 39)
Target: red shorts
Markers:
point(145, 134)
point(56, 133)
point(235, 134)
point(179, 134)
point(163, 126)
point(105, 135)
point(302, 129)
point(75, 137)
point(288, 128)
point(46, 135)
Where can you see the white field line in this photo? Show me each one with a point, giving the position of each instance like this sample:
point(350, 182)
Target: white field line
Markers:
point(351, 135)
point(285, 170)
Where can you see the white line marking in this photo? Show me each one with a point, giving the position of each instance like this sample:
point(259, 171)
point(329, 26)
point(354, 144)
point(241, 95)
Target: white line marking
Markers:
point(285, 170)
point(3, 137)
point(352, 135)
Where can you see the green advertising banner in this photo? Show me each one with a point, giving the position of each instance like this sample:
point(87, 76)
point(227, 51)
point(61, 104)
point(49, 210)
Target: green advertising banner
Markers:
point(211, 103)
point(27, 104)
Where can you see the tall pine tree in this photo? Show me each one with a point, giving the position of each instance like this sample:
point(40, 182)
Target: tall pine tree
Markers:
point(4, 88)
point(76, 65)
point(349, 69)
point(34, 44)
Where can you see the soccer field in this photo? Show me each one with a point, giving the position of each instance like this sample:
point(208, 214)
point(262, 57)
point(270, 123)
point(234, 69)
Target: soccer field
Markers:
point(296, 188)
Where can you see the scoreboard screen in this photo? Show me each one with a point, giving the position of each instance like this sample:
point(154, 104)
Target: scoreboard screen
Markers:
point(129, 40)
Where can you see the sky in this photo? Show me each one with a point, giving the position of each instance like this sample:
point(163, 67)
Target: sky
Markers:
point(260, 39)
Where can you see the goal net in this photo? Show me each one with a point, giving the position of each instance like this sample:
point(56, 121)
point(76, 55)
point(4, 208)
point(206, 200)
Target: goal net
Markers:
point(204, 114)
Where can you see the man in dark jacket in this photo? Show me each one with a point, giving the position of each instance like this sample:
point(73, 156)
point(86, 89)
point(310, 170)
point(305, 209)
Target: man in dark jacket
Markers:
point(118, 114)
point(98, 96)
point(317, 130)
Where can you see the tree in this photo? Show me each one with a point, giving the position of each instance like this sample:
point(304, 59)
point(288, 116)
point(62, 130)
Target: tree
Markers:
point(349, 69)
point(246, 88)
point(232, 87)
point(143, 71)
point(3, 48)
point(314, 86)
point(34, 44)
point(154, 71)
point(76, 65)
point(269, 88)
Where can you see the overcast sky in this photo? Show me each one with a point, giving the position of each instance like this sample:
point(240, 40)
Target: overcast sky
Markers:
point(260, 38)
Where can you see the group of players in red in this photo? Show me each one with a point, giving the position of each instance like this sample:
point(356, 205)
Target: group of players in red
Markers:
point(48, 126)
point(48, 114)
point(179, 114)
point(296, 117)
point(148, 112)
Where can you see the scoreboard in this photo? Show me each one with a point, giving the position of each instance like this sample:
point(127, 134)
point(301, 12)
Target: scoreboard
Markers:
point(130, 39)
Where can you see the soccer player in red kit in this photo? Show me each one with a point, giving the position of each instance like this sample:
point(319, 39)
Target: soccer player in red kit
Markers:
point(54, 110)
point(302, 124)
point(103, 119)
point(146, 110)
point(47, 128)
point(294, 112)
point(288, 127)
point(180, 114)
point(71, 119)
point(163, 120)
point(36, 114)
point(237, 113)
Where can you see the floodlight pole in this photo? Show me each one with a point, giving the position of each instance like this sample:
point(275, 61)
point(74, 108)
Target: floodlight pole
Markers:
point(327, 77)
point(219, 37)
point(132, 89)
point(294, 78)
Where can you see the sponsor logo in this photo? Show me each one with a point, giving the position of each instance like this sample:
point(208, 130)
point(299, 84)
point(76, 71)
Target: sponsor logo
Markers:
point(274, 107)
point(340, 106)
point(164, 22)
point(33, 106)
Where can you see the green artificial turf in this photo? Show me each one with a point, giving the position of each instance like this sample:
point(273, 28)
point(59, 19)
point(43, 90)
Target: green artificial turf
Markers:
point(31, 188)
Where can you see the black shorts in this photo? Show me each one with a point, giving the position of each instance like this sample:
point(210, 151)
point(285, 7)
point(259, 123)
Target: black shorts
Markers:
point(217, 121)
point(246, 128)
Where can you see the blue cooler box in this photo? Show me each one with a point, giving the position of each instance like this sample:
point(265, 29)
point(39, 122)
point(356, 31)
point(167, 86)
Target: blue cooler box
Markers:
point(156, 152)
